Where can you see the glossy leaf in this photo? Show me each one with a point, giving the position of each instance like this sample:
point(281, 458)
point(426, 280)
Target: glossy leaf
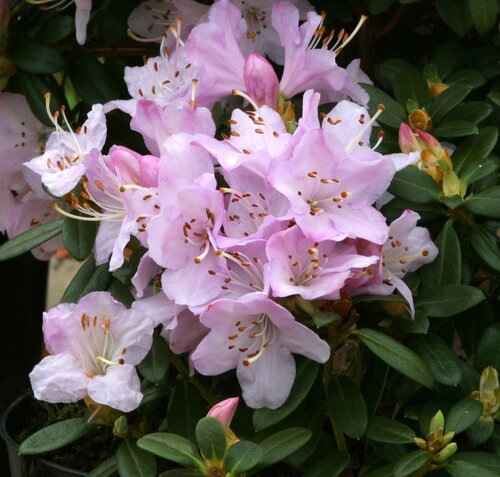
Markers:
point(120, 292)
point(484, 14)
point(414, 185)
point(475, 148)
point(462, 415)
point(478, 168)
point(409, 83)
point(396, 355)
point(411, 462)
point(277, 447)
point(447, 100)
point(104, 469)
point(448, 300)
point(488, 349)
point(382, 429)
point(385, 471)
point(155, 365)
point(456, 128)
point(173, 448)
point(457, 467)
point(55, 29)
point(30, 239)
point(442, 361)
point(330, 466)
point(474, 111)
point(79, 237)
point(486, 203)
point(307, 371)
point(455, 13)
point(55, 436)
point(393, 114)
point(485, 243)
point(211, 438)
point(35, 57)
point(132, 461)
point(347, 406)
point(242, 456)
point(378, 6)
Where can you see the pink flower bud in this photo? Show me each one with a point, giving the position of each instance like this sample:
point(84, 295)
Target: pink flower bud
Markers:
point(224, 411)
point(261, 82)
point(408, 142)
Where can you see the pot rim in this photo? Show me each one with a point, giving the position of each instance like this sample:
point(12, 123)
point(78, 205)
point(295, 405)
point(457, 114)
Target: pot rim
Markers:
point(4, 433)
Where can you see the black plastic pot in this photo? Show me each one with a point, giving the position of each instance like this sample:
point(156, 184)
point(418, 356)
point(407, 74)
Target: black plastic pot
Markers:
point(22, 466)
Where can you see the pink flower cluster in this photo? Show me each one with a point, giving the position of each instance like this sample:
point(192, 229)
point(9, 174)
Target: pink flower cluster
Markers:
point(232, 222)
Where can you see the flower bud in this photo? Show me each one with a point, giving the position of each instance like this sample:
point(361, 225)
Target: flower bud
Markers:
point(444, 454)
point(408, 140)
point(420, 119)
point(452, 184)
point(437, 424)
point(224, 411)
point(489, 392)
point(437, 89)
point(261, 82)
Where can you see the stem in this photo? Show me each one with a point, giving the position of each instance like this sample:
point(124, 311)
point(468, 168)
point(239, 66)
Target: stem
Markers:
point(184, 374)
point(339, 436)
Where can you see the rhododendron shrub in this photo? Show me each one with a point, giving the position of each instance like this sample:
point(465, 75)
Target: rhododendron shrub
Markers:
point(284, 266)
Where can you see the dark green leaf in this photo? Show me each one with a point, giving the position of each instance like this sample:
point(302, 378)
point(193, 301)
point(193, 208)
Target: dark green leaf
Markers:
point(242, 456)
point(74, 290)
point(330, 466)
point(182, 473)
point(462, 415)
point(173, 448)
point(34, 88)
point(280, 445)
point(34, 57)
point(442, 361)
point(211, 438)
point(325, 318)
point(470, 77)
point(484, 14)
point(488, 349)
point(447, 57)
point(481, 431)
point(385, 471)
point(474, 111)
point(378, 6)
point(120, 292)
point(382, 429)
point(447, 100)
point(448, 300)
point(457, 467)
point(185, 408)
point(393, 115)
point(411, 462)
point(455, 13)
point(79, 237)
point(478, 168)
point(91, 80)
point(414, 185)
point(418, 325)
point(475, 148)
point(374, 382)
point(347, 406)
point(307, 371)
point(105, 469)
point(396, 355)
point(485, 243)
point(55, 29)
point(486, 203)
point(455, 129)
point(155, 365)
point(30, 239)
point(409, 83)
point(446, 269)
point(55, 436)
point(484, 459)
point(134, 462)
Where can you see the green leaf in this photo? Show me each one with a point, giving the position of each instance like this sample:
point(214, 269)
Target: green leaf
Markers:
point(330, 466)
point(475, 148)
point(35, 57)
point(409, 83)
point(307, 371)
point(55, 436)
point(242, 456)
point(457, 467)
point(134, 462)
point(411, 462)
point(448, 300)
point(484, 459)
point(442, 361)
point(280, 445)
point(446, 269)
point(481, 431)
point(455, 13)
point(79, 237)
point(325, 318)
point(74, 290)
point(382, 429)
point(91, 79)
point(447, 100)
point(469, 76)
point(347, 406)
point(414, 185)
point(185, 408)
point(55, 29)
point(104, 469)
point(462, 415)
point(155, 365)
point(120, 292)
point(211, 438)
point(396, 355)
point(486, 203)
point(34, 88)
point(485, 243)
point(393, 115)
point(385, 471)
point(478, 168)
point(30, 239)
point(474, 111)
point(484, 14)
point(419, 324)
point(488, 349)
point(455, 129)
point(173, 448)
point(182, 473)
point(378, 6)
